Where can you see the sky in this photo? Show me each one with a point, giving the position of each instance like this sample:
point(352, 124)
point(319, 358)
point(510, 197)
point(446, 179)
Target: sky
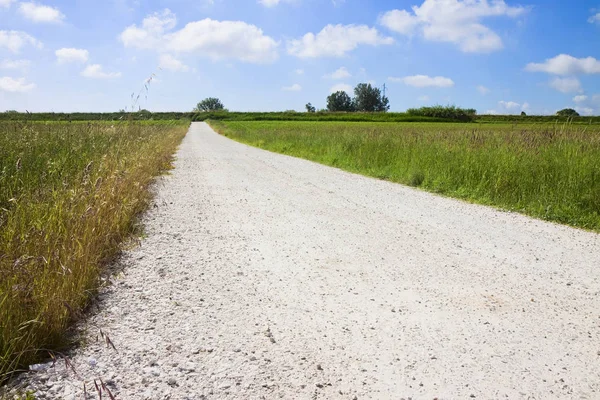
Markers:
point(497, 56)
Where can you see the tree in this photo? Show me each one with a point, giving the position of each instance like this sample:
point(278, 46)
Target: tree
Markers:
point(340, 101)
point(567, 112)
point(523, 114)
point(369, 99)
point(310, 108)
point(210, 104)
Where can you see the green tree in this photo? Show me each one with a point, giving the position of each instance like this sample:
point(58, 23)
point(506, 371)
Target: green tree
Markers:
point(340, 101)
point(209, 104)
point(567, 112)
point(310, 108)
point(369, 99)
point(523, 114)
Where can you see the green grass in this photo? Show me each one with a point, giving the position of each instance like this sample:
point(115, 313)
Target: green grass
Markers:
point(549, 171)
point(69, 197)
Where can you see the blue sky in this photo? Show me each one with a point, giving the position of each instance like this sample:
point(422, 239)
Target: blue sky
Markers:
point(496, 56)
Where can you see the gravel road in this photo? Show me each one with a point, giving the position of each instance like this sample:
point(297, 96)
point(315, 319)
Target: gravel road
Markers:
point(264, 276)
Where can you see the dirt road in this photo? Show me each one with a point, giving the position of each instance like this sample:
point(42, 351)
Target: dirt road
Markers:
point(265, 276)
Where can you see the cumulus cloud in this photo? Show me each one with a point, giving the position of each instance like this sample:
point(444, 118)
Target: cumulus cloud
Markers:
point(422, 81)
point(18, 85)
point(565, 64)
point(40, 13)
point(509, 107)
point(14, 64)
point(566, 85)
point(71, 55)
point(210, 38)
point(341, 73)
point(341, 87)
point(95, 71)
point(170, 63)
point(336, 41)
point(594, 19)
point(580, 99)
point(294, 88)
point(6, 3)
point(453, 21)
point(483, 90)
point(15, 40)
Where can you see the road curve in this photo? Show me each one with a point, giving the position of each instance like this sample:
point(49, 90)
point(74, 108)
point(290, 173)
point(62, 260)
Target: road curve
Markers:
point(265, 276)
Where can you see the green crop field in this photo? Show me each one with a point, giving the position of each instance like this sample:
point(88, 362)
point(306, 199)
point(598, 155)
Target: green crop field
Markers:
point(69, 196)
point(549, 171)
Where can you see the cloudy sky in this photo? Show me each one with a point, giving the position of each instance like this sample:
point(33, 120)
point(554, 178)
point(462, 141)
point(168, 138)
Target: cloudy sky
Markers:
point(496, 56)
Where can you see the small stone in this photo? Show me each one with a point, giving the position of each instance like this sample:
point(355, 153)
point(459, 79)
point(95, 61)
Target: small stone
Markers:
point(319, 385)
point(319, 367)
point(92, 361)
point(172, 382)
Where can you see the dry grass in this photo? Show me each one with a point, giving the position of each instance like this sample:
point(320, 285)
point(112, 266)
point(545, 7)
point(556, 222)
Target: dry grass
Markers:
point(69, 196)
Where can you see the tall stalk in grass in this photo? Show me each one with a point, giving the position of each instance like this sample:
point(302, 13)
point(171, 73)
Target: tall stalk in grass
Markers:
point(69, 196)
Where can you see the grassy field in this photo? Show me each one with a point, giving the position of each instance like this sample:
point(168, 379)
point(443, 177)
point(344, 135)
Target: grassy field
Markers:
point(550, 171)
point(69, 196)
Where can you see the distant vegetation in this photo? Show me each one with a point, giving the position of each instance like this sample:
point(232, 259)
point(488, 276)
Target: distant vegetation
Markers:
point(209, 104)
point(288, 116)
point(69, 195)
point(366, 99)
point(445, 112)
point(548, 171)
point(567, 112)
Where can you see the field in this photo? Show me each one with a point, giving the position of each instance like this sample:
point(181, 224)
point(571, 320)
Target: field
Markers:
point(69, 197)
point(549, 171)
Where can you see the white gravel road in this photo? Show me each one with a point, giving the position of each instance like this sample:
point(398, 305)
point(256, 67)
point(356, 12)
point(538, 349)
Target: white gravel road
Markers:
point(264, 276)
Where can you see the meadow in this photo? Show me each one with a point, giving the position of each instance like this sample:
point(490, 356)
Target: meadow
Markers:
point(549, 171)
point(69, 197)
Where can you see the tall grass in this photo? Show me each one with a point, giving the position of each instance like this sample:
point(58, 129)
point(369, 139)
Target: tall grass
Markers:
point(547, 171)
point(69, 195)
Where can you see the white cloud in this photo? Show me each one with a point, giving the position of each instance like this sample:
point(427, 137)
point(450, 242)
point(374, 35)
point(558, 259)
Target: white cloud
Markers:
point(40, 13)
point(269, 3)
point(565, 64)
point(336, 41)
point(585, 110)
point(423, 98)
point(421, 81)
point(580, 99)
point(299, 72)
point(341, 73)
point(69, 55)
point(96, 71)
point(483, 90)
point(15, 40)
point(15, 64)
point(342, 87)
point(566, 85)
point(8, 84)
point(453, 21)
point(294, 88)
point(509, 107)
point(214, 39)
point(594, 19)
point(169, 62)
point(6, 3)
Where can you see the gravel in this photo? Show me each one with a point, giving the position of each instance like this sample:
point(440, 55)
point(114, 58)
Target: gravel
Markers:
point(266, 276)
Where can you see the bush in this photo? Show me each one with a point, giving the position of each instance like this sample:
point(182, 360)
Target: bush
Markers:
point(446, 112)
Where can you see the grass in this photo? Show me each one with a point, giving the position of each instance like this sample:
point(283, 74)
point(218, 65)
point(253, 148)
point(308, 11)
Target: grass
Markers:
point(69, 196)
point(549, 171)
